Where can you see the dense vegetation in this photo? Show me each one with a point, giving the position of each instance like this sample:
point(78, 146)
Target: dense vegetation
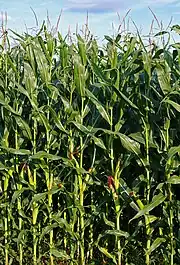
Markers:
point(90, 150)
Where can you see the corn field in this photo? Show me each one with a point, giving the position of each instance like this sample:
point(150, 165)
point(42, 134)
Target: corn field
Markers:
point(89, 149)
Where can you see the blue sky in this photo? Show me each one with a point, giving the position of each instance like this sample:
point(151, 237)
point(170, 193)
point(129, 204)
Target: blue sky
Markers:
point(102, 13)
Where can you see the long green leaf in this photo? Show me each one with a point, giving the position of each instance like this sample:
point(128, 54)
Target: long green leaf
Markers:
point(173, 150)
point(174, 104)
point(157, 200)
point(174, 180)
point(118, 233)
point(43, 154)
point(126, 99)
point(130, 144)
point(99, 106)
point(163, 79)
point(59, 254)
point(107, 254)
point(16, 151)
point(156, 243)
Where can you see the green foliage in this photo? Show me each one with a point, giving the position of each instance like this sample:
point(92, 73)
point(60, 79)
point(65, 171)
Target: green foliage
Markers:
point(89, 151)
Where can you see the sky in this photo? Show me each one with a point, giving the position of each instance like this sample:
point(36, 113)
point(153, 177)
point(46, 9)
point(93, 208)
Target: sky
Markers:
point(104, 16)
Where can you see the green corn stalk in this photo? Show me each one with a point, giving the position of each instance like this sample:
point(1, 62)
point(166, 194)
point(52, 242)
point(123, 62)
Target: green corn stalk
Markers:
point(147, 67)
point(81, 194)
point(147, 223)
point(75, 191)
point(170, 193)
point(115, 173)
point(19, 206)
point(7, 176)
point(80, 79)
point(49, 181)
point(6, 218)
point(91, 230)
point(32, 181)
point(50, 47)
point(118, 211)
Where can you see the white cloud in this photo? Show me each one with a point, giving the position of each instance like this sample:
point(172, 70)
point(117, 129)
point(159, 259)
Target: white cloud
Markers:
point(96, 6)
point(46, 3)
point(100, 6)
point(161, 1)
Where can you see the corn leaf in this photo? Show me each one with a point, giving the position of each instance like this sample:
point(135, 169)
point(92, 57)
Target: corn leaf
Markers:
point(43, 154)
point(16, 151)
point(99, 106)
point(174, 104)
point(130, 144)
point(174, 180)
point(173, 150)
point(107, 254)
point(99, 142)
point(118, 233)
point(59, 254)
point(157, 200)
point(156, 243)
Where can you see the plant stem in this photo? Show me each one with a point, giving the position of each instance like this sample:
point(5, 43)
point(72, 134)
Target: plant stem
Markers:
point(81, 198)
point(111, 143)
point(50, 184)
point(6, 218)
point(148, 189)
point(118, 210)
point(170, 195)
point(19, 187)
point(35, 205)
point(91, 231)
point(6, 181)
point(81, 194)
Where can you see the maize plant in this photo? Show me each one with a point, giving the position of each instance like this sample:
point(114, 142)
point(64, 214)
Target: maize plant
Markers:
point(89, 149)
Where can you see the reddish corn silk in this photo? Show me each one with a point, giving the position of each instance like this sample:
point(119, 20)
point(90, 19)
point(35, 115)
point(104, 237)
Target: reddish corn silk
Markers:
point(23, 166)
point(111, 182)
point(59, 185)
point(131, 193)
point(111, 186)
point(43, 260)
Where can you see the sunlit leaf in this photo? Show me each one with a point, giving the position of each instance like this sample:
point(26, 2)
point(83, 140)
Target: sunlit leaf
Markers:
point(107, 254)
point(99, 142)
point(174, 104)
point(173, 150)
point(157, 200)
point(99, 106)
point(43, 154)
point(59, 254)
point(130, 144)
point(16, 151)
point(156, 243)
point(174, 180)
point(118, 233)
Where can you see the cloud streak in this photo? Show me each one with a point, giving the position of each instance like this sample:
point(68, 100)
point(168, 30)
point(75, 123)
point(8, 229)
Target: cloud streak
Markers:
point(108, 6)
point(96, 6)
